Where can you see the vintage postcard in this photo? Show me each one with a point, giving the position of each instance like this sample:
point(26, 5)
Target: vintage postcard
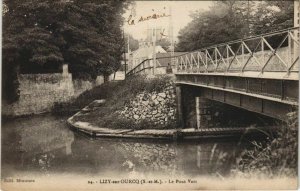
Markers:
point(149, 95)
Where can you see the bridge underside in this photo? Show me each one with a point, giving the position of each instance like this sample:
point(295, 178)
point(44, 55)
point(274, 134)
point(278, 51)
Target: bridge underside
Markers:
point(269, 97)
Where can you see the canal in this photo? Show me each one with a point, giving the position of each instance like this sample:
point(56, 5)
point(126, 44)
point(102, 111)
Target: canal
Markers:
point(44, 145)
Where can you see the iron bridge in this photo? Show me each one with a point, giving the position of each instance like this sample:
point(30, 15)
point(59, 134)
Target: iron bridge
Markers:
point(258, 73)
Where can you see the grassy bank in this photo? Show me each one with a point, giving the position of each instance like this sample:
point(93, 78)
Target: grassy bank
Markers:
point(103, 91)
point(117, 95)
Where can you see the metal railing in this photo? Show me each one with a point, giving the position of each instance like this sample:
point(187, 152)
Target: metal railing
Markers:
point(146, 66)
point(272, 52)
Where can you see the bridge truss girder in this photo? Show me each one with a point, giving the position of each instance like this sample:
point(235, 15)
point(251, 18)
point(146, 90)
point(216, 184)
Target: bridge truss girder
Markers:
point(272, 52)
point(270, 97)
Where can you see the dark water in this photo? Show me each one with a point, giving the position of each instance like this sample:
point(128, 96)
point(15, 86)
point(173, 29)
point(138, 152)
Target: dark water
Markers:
point(45, 145)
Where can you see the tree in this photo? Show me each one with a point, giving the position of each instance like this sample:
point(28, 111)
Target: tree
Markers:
point(40, 35)
point(27, 44)
point(25, 27)
point(232, 20)
point(93, 34)
point(219, 24)
point(10, 83)
point(272, 16)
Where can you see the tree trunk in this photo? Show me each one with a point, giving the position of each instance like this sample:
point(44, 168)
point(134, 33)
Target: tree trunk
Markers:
point(106, 78)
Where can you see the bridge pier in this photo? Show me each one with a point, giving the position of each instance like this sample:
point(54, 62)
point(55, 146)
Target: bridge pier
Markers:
point(203, 112)
point(189, 107)
point(179, 107)
point(193, 111)
point(186, 107)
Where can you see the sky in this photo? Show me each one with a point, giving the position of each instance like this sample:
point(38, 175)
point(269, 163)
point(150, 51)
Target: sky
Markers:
point(180, 11)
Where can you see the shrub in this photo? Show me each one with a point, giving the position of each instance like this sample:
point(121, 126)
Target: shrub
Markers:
point(275, 157)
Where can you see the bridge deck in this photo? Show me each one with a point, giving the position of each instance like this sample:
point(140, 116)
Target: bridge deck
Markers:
point(282, 91)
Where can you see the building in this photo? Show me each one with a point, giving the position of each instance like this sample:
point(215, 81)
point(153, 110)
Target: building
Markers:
point(145, 51)
point(151, 35)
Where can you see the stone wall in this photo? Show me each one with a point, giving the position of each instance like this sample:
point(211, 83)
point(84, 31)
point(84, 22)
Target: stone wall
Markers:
point(39, 93)
point(80, 86)
point(159, 108)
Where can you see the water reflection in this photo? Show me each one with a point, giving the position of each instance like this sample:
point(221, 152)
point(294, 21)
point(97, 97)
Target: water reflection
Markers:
point(35, 144)
point(45, 144)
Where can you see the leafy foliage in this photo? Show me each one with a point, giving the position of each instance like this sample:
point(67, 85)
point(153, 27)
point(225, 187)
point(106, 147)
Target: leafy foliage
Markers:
point(276, 157)
point(272, 16)
point(25, 27)
point(220, 23)
point(231, 20)
point(40, 35)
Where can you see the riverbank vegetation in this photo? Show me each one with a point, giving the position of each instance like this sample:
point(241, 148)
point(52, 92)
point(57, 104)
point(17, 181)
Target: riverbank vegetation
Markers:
point(277, 156)
point(123, 92)
point(103, 91)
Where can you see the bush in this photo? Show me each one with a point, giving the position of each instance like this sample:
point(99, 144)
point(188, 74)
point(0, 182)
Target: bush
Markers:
point(275, 157)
